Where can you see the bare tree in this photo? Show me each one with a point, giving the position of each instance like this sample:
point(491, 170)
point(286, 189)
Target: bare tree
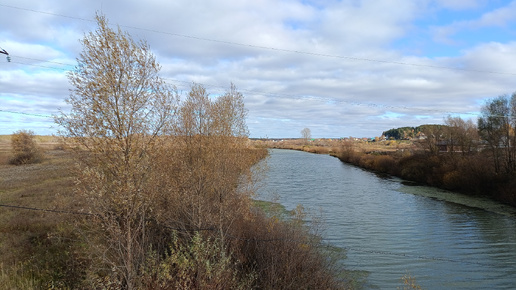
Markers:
point(119, 109)
point(210, 142)
point(461, 134)
point(306, 134)
point(434, 134)
point(496, 127)
point(164, 179)
point(203, 166)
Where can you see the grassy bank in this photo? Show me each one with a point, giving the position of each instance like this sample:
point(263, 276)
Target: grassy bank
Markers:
point(38, 247)
point(471, 173)
point(46, 242)
point(333, 146)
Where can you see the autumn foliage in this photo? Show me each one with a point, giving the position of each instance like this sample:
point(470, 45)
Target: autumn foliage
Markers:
point(167, 182)
point(472, 173)
point(24, 148)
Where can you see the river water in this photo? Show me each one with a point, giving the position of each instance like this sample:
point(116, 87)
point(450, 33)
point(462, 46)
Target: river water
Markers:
point(389, 229)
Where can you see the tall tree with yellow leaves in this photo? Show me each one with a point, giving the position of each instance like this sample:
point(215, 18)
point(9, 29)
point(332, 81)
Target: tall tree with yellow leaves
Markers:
point(119, 109)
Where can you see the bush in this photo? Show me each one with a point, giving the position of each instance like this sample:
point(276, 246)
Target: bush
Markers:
point(283, 254)
point(416, 168)
point(201, 263)
point(24, 148)
point(478, 175)
point(384, 163)
point(452, 180)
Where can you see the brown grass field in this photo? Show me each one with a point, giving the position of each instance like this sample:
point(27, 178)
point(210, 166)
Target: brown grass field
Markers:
point(42, 244)
point(328, 146)
point(26, 235)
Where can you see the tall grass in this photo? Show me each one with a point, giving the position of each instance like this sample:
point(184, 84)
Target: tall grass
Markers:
point(467, 173)
point(242, 249)
point(16, 277)
point(39, 249)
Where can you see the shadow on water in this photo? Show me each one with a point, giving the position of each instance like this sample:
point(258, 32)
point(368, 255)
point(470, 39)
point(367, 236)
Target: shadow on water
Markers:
point(458, 199)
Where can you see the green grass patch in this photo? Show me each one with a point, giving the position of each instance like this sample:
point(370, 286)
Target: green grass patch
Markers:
point(273, 208)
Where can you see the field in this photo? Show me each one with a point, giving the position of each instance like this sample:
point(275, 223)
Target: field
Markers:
point(29, 227)
point(44, 236)
point(326, 146)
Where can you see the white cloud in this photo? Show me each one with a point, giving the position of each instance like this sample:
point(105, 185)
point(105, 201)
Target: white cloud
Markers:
point(285, 91)
point(460, 4)
point(500, 17)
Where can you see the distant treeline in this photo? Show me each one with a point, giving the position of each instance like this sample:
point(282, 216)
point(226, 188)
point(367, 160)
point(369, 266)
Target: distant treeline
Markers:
point(404, 133)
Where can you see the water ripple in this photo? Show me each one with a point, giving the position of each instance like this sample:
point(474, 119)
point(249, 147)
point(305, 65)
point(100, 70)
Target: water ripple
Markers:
point(447, 241)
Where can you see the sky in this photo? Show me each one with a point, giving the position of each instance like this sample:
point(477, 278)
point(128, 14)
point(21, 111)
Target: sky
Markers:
point(340, 68)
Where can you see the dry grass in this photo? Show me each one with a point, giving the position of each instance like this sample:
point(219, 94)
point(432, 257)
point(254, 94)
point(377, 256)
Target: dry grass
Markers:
point(42, 250)
point(27, 238)
point(330, 146)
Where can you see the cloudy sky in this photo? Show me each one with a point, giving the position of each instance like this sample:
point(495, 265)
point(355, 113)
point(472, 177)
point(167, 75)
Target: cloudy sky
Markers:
point(341, 68)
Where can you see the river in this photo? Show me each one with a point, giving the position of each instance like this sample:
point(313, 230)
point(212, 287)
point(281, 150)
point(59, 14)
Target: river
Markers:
point(389, 229)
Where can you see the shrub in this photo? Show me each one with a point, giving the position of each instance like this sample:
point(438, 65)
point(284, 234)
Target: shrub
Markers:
point(416, 168)
point(24, 148)
point(366, 161)
point(478, 175)
point(452, 180)
point(384, 163)
point(283, 254)
point(201, 263)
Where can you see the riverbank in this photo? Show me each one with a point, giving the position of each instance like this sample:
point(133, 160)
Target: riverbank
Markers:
point(470, 174)
point(465, 174)
point(45, 238)
point(389, 228)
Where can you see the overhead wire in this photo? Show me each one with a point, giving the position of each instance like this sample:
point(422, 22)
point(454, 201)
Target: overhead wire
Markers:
point(261, 93)
point(323, 242)
point(24, 113)
point(261, 47)
point(46, 210)
point(47, 13)
point(326, 55)
point(289, 96)
point(41, 60)
point(39, 65)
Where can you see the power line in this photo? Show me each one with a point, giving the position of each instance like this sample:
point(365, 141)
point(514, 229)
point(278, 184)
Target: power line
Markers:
point(23, 113)
point(47, 13)
point(271, 48)
point(38, 65)
point(356, 249)
point(311, 98)
point(91, 214)
point(46, 210)
point(296, 97)
point(41, 60)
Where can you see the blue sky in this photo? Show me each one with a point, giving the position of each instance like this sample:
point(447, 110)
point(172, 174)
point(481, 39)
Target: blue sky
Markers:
point(341, 68)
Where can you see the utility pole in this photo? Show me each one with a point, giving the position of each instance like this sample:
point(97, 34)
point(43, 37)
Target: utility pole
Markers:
point(6, 53)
